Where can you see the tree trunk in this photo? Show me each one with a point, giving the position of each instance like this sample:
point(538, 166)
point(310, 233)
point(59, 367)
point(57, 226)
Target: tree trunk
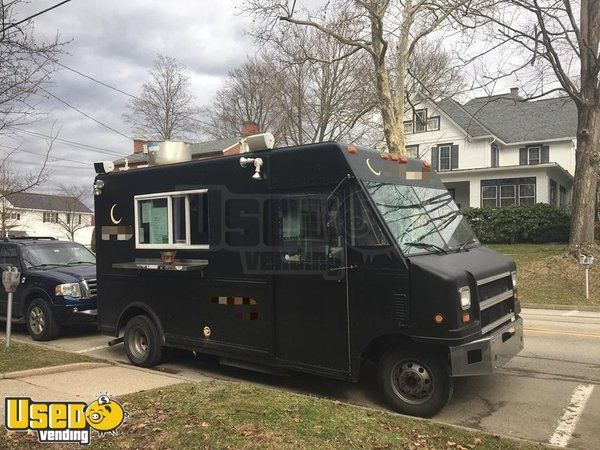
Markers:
point(586, 179)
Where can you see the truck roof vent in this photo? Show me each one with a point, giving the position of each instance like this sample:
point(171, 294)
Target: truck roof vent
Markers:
point(168, 152)
point(258, 142)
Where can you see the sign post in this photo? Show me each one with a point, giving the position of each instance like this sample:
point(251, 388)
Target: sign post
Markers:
point(586, 261)
point(10, 280)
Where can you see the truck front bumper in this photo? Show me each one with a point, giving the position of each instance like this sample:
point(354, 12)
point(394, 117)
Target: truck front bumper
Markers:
point(485, 355)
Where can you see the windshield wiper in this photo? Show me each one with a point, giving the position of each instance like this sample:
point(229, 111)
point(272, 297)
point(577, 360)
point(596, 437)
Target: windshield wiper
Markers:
point(81, 262)
point(425, 245)
point(37, 266)
point(462, 246)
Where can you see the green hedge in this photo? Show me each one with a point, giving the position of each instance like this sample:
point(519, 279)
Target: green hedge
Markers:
point(512, 224)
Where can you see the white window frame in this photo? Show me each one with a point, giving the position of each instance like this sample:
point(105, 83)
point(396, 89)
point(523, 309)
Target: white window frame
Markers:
point(418, 122)
point(495, 198)
point(449, 147)
point(527, 196)
point(514, 197)
point(539, 159)
point(412, 147)
point(169, 196)
point(411, 124)
point(437, 120)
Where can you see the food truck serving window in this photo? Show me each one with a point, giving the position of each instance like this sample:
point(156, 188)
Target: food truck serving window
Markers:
point(172, 220)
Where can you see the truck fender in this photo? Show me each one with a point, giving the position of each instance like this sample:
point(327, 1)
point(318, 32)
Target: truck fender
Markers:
point(136, 309)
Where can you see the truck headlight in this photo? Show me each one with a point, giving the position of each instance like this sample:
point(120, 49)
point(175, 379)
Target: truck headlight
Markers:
point(465, 297)
point(513, 275)
point(68, 290)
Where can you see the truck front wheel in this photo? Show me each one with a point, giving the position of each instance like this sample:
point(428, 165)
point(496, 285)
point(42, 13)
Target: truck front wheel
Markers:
point(415, 383)
point(142, 342)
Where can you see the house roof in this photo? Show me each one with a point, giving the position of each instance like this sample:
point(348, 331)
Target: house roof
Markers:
point(514, 120)
point(199, 148)
point(47, 202)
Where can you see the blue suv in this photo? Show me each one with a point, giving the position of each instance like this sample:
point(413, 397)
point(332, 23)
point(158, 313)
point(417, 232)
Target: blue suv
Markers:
point(58, 284)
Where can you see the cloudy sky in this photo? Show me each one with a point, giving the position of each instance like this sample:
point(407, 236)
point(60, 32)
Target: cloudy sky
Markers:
point(116, 41)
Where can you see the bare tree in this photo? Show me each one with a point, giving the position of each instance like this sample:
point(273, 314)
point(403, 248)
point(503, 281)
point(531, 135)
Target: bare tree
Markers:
point(70, 219)
point(165, 108)
point(25, 65)
point(371, 26)
point(13, 181)
point(561, 38)
point(250, 93)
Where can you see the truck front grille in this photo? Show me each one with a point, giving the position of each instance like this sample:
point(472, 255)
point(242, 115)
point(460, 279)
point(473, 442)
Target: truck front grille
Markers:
point(496, 301)
point(92, 287)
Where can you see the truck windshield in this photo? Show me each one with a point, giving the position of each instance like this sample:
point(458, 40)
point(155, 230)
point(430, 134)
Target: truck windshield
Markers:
point(422, 219)
point(63, 254)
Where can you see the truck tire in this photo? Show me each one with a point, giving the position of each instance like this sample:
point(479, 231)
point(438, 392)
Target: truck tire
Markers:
point(415, 382)
point(40, 320)
point(142, 342)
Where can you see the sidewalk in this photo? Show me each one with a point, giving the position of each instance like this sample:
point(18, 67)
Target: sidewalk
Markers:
point(84, 384)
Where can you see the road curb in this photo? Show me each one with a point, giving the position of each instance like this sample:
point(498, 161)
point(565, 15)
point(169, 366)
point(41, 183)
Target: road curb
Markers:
point(561, 307)
point(51, 369)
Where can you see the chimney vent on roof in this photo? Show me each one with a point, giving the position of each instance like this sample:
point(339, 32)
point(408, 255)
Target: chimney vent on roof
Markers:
point(249, 128)
point(139, 145)
point(514, 93)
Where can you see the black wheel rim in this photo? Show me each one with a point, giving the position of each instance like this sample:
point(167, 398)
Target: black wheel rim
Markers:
point(37, 320)
point(137, 342)
point(412, 381)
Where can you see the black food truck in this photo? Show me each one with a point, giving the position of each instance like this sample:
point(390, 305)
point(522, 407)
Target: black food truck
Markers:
point(314, 258)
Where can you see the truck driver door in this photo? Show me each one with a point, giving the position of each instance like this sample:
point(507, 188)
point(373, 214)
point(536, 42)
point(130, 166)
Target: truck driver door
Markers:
point(311, 306)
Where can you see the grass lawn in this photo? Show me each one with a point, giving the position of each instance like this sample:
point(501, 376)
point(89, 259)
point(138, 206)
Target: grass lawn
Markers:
point(545, 276)
point(24, 356)
point(222, 414)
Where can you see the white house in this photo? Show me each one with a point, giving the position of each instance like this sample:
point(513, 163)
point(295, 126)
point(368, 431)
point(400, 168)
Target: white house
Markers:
point(31, 214)
point(498, 150)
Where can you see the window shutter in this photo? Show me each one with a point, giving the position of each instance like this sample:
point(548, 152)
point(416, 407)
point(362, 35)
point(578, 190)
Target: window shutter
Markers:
point(545, 154)
point(522, 156)
point(435, 153)
point(454, 157)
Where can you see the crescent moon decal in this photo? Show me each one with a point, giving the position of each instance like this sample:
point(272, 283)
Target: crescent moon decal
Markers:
point(371, 169)
point(112, 215)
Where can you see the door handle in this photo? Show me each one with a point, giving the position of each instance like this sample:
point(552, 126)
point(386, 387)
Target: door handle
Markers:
point(343, 268)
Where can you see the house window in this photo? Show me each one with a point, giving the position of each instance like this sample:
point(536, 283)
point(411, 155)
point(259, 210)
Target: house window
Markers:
point(408, 127)
point(50, 217)
point(562, 198)
point(433, 123)
point(172, 220)
point(526, 194)
point(508, 195)
point(534, 155)
point(508, 191)
point(420, 120)
point(553, 192)
point(495, 155)
point(489, 196)
point(445, 157)
point(412, 151)
point(79, 219)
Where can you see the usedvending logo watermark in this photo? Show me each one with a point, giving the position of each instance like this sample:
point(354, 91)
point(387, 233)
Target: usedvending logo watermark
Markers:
point(64, 422)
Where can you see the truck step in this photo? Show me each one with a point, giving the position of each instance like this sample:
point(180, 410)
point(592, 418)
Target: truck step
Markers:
point(255, 367)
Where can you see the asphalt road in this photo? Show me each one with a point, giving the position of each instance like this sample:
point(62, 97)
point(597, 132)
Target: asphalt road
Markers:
point(549, 393)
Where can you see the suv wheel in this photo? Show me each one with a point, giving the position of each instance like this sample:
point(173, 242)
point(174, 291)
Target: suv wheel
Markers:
point(415, 382)
point(142, 342)
point(41, 323)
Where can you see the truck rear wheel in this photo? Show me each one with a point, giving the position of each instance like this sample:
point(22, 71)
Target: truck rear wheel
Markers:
point(142, 342)
point(415, 383)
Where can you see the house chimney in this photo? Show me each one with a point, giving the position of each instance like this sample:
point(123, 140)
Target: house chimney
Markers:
point(138, 145)
point(514, 93)
point(249, 128)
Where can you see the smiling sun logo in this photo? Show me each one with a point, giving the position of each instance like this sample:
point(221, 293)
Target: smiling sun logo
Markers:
point(105, 415)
